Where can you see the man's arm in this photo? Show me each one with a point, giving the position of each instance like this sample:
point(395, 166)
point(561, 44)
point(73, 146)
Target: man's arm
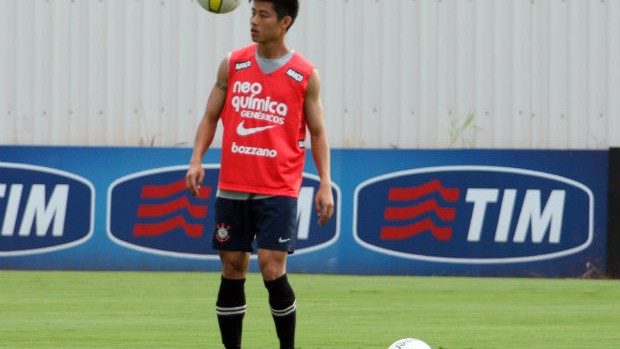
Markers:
point(313, 108)
point(206, 129)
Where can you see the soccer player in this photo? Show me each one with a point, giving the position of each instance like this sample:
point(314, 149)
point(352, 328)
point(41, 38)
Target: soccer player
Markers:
point(266, 95)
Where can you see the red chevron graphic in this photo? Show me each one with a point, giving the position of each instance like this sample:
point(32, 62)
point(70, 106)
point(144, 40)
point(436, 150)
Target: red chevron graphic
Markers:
point(404, 213)
point(410, 194)
point(159, 210)
point(166, 190)
point(418, 209)
point(401, 233)
point(157, 229)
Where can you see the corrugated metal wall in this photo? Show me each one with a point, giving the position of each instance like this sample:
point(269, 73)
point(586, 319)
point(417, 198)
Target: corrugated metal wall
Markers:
point(395, 73)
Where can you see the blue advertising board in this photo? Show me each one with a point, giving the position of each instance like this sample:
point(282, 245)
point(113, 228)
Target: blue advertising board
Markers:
point(405, 212)
point(613, 215)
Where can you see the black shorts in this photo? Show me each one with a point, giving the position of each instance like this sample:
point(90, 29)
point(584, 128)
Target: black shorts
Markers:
point(271, 221)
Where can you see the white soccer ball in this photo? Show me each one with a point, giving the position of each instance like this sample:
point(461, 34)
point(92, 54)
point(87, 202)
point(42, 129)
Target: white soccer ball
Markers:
point(409, 343)
point(219, 6)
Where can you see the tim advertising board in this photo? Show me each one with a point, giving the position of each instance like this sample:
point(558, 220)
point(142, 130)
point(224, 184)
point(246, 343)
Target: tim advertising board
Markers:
point(150, 211)
point(474, 215)
point(424, 212)
point(43, 209)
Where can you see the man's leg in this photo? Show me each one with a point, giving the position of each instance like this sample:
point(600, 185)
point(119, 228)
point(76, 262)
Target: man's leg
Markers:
point(281, 295)
point(230, 306)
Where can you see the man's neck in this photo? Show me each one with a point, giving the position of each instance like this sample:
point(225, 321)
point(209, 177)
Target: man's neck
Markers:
point(273, 50)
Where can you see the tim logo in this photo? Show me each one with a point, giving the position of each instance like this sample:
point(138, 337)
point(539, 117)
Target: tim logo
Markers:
point(474, 214)
point(43, 209)
point(152, 212)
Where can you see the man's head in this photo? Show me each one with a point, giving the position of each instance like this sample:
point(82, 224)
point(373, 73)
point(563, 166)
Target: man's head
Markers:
point(283, 8)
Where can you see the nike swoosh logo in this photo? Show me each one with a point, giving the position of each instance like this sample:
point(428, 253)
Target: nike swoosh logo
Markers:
point(281, 240)
point(243, 131)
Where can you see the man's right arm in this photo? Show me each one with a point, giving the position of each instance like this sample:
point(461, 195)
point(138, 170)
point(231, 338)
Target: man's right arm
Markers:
point(206, 129)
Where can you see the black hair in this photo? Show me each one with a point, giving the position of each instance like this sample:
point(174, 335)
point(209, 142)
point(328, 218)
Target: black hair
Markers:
point(284, 8)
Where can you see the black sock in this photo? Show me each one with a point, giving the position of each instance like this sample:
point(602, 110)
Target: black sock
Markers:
point(230, 308)
point(283, 309)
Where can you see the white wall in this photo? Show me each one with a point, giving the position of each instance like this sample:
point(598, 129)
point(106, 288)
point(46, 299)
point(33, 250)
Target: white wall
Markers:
point(395, 73)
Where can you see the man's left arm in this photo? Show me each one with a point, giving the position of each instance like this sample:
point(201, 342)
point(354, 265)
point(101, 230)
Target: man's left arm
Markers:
point(313, 108)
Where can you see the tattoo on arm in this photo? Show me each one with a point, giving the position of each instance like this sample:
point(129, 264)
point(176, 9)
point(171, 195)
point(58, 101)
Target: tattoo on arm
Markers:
point(221, 86)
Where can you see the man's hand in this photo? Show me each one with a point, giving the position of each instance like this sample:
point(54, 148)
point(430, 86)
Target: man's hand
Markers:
point(324, 203)
point(194, 177)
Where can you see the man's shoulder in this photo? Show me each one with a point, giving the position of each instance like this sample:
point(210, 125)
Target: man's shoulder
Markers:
point(301, 65)
point(301, 58)
point(243, 52)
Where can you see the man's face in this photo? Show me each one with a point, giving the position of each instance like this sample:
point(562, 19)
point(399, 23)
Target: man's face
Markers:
point(264, 23)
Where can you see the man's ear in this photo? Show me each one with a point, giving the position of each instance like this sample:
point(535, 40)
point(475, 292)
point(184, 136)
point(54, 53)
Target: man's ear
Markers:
point(286, 22)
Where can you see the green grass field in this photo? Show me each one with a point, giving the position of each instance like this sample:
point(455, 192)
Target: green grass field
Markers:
point(176, 310)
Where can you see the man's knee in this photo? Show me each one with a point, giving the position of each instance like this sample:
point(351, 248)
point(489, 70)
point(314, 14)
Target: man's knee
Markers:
point(272, 264)
point(234, 264)
point(272, 271)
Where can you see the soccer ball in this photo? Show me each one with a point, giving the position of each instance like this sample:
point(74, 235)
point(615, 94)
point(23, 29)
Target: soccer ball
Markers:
point(409, 343)
point(219, 6)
